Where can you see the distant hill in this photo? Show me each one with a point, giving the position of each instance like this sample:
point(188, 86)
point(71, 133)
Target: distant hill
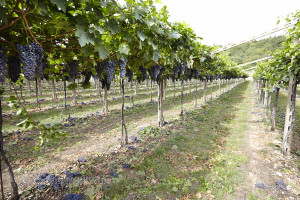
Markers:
point(255, 50)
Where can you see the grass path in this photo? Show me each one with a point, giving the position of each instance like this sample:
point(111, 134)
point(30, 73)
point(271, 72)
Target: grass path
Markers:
point(261, 148)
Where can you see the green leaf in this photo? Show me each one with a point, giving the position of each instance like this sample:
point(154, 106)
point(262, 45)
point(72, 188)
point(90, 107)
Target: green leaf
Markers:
point(99, 29)
point(82, 36)
point(156, 56)
point(124, 49)
point(175, 35)
point(102, 50)
point(113, 26)
point(141, 35)
point(61, 4)
point(175, 189)
point(3, 16)
point(2, 2)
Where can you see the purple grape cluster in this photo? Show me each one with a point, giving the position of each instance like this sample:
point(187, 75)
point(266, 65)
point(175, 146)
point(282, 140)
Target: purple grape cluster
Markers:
point(3, 61)
point(122, 64)
point(110, 67)
point(31, 55)
point(189, 74)
point(14, 68)
point(53, 180)
point(154, 71)
point(99, 70)
point(70, 176)
point(176, 71)
point(129, 75)
point(71, 196)
point(144, 73)
point(73, 69)
point(39, 52)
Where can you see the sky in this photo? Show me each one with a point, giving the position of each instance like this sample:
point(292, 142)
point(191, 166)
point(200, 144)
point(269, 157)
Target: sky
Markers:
point(221, 22)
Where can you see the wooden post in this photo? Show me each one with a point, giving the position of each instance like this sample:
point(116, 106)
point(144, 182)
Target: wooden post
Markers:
point(151, 90)
point(53, 89)
point(220, 92)
point(204, 91)
point(160, 99)
point(39, 81)
point(15, 193)
point(124, 136)
point(181, 97)
point(74, 92)
point(289, 116)
point(195, 95)
point(274, 114)
point(136, 87)
point(105, 104)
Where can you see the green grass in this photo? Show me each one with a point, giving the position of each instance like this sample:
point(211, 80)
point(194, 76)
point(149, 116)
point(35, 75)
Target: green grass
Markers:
point(57, 115)
point(188, 161)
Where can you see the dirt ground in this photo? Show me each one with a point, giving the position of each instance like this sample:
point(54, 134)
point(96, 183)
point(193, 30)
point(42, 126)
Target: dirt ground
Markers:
point(266, 165)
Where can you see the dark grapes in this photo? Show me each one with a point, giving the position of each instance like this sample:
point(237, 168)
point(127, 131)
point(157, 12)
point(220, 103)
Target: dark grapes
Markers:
point(99, 70)
point(154, 71)
point(129, 74)
point(14, 68)
point(122, 64)
point(71, 196)
point(144, 73)
point(31, 55)
point(110, 67)
point(3, 61)
point(73, 69)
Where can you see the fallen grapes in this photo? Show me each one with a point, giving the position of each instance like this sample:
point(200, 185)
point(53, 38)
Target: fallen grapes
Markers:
point(71, 196)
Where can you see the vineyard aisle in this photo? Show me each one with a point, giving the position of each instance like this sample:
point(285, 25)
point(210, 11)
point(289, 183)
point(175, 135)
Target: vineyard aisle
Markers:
point(264, 171)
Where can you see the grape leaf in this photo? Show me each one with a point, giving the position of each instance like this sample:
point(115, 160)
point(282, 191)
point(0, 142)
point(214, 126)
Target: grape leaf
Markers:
point(82, 36)
point(156, 56)
point(124, 49)
point(2, 2)
point(102, 50)
point(3, 16)
point(100, 29)
point(141, 35)
point(60, 4)
point(113, 26)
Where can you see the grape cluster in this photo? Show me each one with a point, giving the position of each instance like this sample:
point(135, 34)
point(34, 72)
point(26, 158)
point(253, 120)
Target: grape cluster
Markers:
point(39, 52)
point(154, 71)
point(31, 55)
point(3, 61)
point(14, 68)
point(53, 180)
point(70, 176)
point(122, 64)
point(176, 71)
point(71, 196)
point(73, 69)
point(144, 73)
point(110, 67)
point(87, 77)
point(45, 66)
point(129, 74)
point(189, 74)
point(99, 70)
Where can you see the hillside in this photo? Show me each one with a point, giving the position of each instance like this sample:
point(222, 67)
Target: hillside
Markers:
point(255, 50)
